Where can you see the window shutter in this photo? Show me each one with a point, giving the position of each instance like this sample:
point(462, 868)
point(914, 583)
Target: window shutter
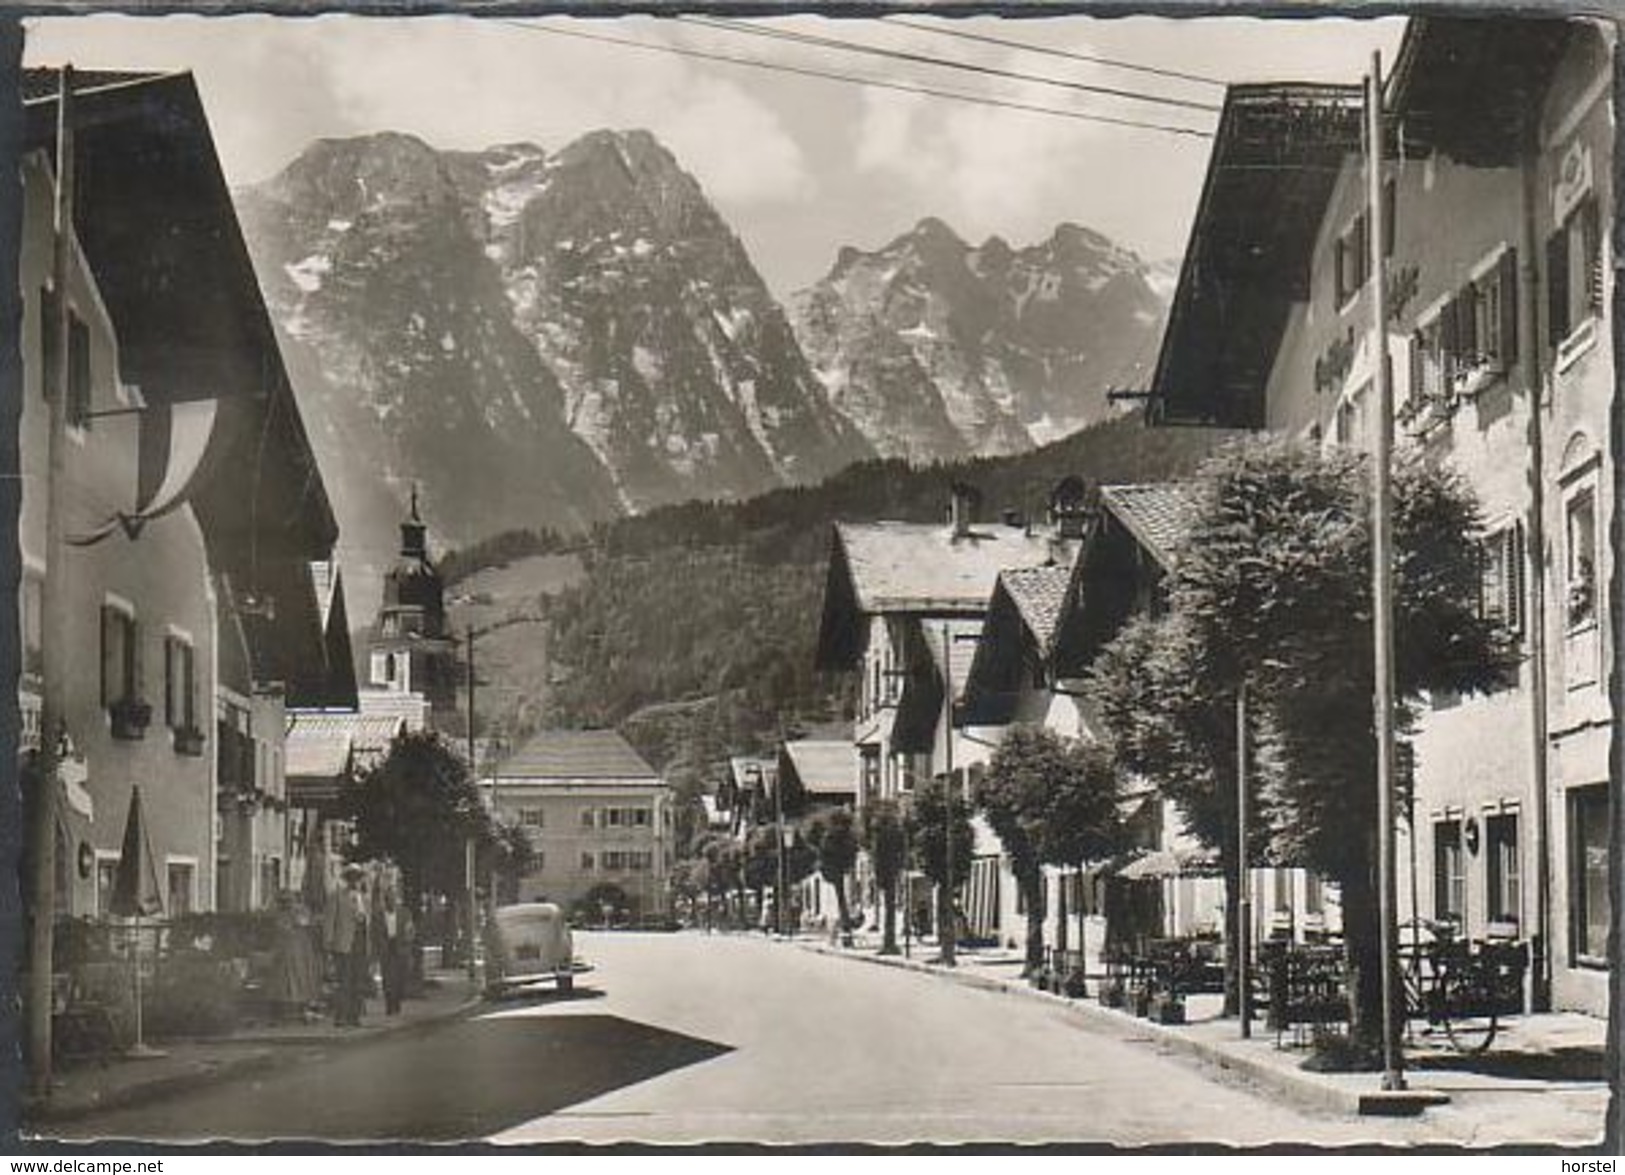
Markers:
point(1507, 276)
point(1592, 238)
point(1557, 287)
point(137, 679)
point(78, 370)
point(112, 675)
point(1390, 207)
point(1339, 254)
point(1418, 389)
point(1514, 577)
point(1467, 324)
point(1449, 343)
point(172, 709)
point(189, 687)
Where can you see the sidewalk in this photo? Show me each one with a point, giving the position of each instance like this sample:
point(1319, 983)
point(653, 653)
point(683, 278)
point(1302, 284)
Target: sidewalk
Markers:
point(88, 1087)
point(1540, 1083)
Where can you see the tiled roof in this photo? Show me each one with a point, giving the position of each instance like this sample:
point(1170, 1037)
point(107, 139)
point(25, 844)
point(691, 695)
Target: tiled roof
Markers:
point(320, 742)
point(569, 755)
point(1038, 594)
point(824, 766)
point(907, 566)
point(1158, 515)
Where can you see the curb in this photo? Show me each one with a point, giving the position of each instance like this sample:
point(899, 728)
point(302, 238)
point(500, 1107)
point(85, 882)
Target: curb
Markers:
point(270, 1055)
point(1303, 1089)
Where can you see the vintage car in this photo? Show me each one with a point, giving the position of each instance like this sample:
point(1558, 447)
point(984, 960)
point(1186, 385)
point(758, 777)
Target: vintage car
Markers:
point(527, 944)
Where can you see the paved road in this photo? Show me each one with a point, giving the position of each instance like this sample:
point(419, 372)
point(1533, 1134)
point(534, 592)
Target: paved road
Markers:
point(690, 1038)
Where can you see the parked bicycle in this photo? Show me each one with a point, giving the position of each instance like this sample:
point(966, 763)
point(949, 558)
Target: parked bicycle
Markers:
point(1462, 987)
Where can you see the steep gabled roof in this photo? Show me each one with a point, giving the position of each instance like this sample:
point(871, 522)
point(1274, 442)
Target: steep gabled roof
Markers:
point(1159, 515)
point(1038, 594)
point(906, 568)
point(823, 767)
point(571, 756)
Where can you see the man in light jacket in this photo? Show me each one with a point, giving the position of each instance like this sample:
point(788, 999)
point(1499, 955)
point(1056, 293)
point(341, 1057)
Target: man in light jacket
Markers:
point(346, 939)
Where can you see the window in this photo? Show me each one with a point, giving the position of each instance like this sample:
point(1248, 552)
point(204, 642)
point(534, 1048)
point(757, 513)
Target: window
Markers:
point(587, 863)
point(1472, 339)
point(1588, 873)
point(1352, 425)
point(1501, 851)
point(106, 879)
point(32, 622)
point(1352, 261)
point(1581, 559)
point(182, 875)
point(121, 656)
point(79, 374)
point(532, 818)
point(1500, 581)
point(1449, 880)
point(1314, 894)
point(1574, 275)
point(50, 331)
point(587, 818)
point(180, 683)
point(871, 772)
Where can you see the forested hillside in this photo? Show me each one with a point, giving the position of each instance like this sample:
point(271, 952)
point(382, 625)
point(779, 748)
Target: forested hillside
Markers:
point(693, 627)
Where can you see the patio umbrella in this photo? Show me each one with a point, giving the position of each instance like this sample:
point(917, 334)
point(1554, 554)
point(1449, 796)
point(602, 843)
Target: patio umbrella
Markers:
point(135, 895)
point(1165, 863)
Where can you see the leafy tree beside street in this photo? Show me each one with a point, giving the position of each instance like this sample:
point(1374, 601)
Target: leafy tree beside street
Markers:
point(1050, 801)
point(1271, 592)
point(883, 834)
point(938, 820)
point(833, 835)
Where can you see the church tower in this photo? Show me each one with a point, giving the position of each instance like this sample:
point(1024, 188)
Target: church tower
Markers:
point(410, 649)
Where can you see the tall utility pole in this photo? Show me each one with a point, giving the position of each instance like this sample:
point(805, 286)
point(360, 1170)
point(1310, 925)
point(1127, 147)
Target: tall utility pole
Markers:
point(948, 920)
point(54, 618)
point(1244, 899)
point(780, 896)
point(1382, 579)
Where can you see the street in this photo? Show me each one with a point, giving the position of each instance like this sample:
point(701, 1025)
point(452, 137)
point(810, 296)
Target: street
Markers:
point(690, 1038)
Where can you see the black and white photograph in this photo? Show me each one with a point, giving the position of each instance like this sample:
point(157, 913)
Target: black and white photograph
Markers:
point(868, 579)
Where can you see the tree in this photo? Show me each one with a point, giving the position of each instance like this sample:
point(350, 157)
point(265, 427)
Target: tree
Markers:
point(886, 839)
point(418, 806)
point(1014, 794)
point(1272, 592)
point(833, 835)
point(507, 854)
point(937, 821)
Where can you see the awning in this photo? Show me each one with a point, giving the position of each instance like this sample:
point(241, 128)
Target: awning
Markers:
point(1165, 863)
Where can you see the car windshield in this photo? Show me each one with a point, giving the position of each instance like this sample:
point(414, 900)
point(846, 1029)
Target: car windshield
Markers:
point(529, 920)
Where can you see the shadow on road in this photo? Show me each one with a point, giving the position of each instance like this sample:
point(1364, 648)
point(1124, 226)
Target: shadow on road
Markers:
point(1563, 1064)
point(465, 1081)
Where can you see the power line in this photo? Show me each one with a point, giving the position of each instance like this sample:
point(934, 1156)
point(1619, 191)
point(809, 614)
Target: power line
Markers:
point(853, 79)
point(1051, 51)
point(913, 58)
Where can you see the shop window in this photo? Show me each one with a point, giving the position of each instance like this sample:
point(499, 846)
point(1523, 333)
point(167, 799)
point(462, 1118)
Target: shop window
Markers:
point(1449, 878)
point(1580, 566)
point(1501, 854)
point(1588, 874)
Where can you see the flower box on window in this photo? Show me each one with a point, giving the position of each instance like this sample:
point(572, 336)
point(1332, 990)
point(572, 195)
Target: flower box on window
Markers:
point(189, 740)
point(131, 717)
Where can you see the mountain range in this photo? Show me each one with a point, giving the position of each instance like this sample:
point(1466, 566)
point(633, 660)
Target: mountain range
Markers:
point(552, 339)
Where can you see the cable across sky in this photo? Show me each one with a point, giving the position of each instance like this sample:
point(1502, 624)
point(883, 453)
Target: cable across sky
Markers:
point(858, 80)
point(757, 30)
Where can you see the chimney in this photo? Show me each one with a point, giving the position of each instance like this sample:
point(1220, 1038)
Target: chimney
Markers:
point(964, 501)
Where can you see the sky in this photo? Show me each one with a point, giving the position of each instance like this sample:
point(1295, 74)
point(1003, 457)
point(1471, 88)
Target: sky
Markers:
point(799, 166)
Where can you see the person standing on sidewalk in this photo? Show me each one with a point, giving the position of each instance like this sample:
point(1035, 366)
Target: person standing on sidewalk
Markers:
point(346, 938)
point(393, 938)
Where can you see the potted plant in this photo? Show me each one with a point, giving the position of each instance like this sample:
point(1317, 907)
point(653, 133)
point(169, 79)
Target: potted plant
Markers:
point(130, 716)
point(189, 740)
